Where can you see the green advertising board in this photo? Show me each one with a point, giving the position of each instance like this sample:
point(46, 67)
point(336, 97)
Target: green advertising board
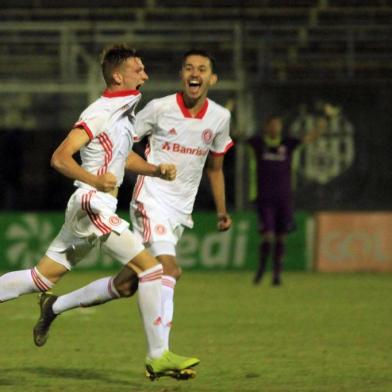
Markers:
point(24, 238)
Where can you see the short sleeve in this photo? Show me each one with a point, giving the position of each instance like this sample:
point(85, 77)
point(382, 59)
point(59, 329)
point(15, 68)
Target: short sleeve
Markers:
point(222, 141)
point(145, 121)
point(92, 123)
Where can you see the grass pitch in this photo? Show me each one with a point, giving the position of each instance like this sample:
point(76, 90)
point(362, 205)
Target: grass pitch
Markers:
point(315, 333)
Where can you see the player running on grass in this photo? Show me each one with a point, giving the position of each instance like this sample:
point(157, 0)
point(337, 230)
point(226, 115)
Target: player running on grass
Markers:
point(188, 129)
point(103, 135)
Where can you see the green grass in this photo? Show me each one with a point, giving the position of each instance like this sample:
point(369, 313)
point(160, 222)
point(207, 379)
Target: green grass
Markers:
point(316, 333)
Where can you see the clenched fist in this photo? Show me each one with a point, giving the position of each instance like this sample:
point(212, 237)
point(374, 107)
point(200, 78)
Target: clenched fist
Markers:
point(167, 171)
point(224, 222)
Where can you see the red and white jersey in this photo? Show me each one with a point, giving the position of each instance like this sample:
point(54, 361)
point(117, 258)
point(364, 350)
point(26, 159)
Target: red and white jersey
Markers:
point(109, 124)
point(177, 137)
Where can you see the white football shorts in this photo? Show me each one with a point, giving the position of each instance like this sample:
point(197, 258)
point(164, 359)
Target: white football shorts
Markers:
point(91, 220)
point(159, 233)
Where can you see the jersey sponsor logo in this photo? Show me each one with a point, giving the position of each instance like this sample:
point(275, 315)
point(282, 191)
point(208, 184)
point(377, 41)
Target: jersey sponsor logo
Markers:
point(114, 220)
point(175, 147)
point(207, 136)
point(173, 132)
point(160, 229)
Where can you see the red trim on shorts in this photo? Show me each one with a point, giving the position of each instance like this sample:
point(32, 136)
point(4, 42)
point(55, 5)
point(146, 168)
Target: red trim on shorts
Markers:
point(95, 218)
point(138, 186)
point(121, 93)
point(146, 222)
point(185, 111)
point(83, 125)
point(227, 148)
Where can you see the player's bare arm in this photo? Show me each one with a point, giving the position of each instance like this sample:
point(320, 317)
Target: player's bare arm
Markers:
point(63, 161)
point(214, 170)
point(136, 164)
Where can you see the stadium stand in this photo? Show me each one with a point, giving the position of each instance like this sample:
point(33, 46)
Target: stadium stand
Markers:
point(280, 40)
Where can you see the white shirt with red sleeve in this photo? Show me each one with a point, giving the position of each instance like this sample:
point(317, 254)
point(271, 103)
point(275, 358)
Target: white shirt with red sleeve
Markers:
point(109, 124)
point(174, 136)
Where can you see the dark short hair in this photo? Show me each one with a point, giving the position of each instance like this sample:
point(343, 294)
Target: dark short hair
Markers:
point(112, 57)
point(200, 52)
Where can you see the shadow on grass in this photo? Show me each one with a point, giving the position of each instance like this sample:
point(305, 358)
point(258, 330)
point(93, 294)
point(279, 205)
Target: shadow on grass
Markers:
point(13, 376)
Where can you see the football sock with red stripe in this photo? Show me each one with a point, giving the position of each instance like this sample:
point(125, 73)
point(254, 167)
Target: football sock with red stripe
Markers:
point(150, 306)
point(16, 283)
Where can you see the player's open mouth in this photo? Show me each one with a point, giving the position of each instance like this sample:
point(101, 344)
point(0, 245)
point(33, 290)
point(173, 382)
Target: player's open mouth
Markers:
point(194, 85)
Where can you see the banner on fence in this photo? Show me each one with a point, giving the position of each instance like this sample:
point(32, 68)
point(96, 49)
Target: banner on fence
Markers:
point(356, 241)
point(24, 238)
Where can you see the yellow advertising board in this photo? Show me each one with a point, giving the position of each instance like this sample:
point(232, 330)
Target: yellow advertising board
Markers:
point(353, 241)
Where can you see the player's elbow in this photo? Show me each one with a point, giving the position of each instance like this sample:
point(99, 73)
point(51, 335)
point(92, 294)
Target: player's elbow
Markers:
point(57, 162)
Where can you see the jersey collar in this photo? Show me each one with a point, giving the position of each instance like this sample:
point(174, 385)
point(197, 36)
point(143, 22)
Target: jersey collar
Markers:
point(185, 111)
point(272, 142)
point(120, 93)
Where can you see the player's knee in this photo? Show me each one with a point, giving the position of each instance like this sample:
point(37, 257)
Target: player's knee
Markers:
point(127, 288)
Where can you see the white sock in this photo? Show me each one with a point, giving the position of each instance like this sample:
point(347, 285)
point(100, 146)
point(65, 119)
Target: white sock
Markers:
point(168, 284)
point(150, 306)
point(95, 293)
point(16, 283)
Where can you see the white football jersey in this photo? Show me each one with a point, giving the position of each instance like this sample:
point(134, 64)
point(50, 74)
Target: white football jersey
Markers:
point(177, 137)
point(109, 124)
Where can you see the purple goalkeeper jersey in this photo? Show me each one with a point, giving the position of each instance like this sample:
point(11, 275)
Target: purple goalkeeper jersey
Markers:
point(274, 168)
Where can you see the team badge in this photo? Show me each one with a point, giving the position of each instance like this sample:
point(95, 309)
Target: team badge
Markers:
point(114, 220)
point(207, 136)
point(160, 229)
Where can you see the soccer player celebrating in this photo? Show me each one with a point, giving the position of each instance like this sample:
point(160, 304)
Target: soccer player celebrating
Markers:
point(274, 194)
point(103, 135)
point(191, 131)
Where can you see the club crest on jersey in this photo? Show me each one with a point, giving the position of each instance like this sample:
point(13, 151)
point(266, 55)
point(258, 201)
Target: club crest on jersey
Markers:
point(172, 132)
point(207, 136)
point(114, 220)
point(160, 229)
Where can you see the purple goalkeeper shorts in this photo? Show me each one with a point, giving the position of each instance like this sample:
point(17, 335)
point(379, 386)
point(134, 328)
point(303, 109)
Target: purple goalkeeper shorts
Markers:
point(275, 215)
